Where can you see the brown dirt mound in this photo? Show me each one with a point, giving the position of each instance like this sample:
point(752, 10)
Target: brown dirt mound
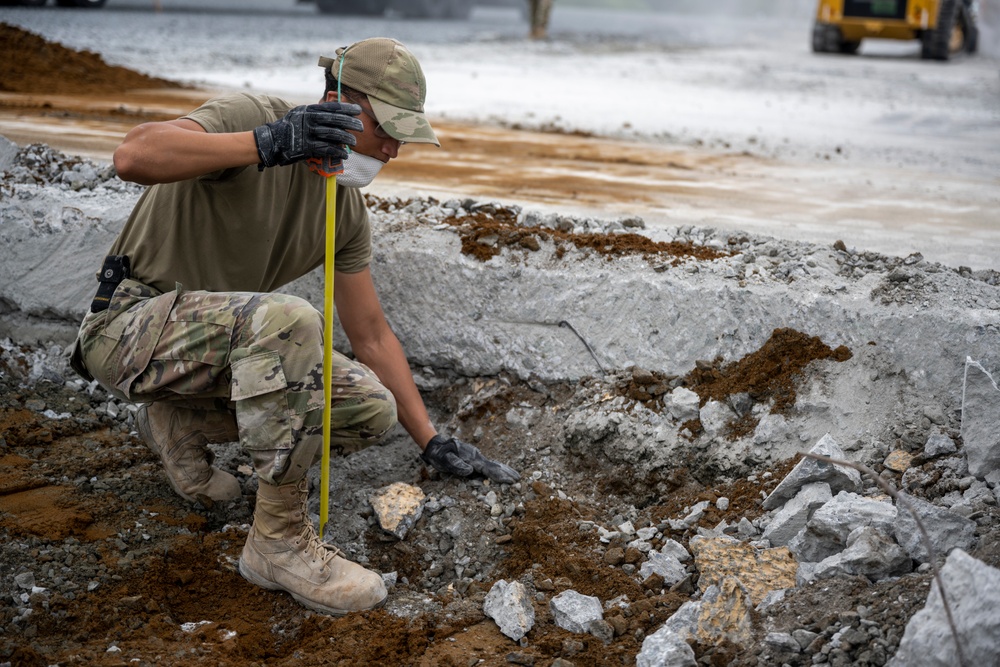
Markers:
point(485, 235)
point(769, 373)
point(32, 64)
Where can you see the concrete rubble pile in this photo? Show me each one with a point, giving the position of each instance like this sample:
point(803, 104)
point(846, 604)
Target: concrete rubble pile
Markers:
point(916, 400)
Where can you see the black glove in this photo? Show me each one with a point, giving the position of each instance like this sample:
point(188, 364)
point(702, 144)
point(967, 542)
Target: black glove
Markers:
point(315, 130)
point(460, 458)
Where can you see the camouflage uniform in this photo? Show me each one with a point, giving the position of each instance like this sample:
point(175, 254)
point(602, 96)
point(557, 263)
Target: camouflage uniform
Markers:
point(259, 354)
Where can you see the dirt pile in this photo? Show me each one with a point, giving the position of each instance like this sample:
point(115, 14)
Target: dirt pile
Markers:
point(33, 64)
point(104, 565)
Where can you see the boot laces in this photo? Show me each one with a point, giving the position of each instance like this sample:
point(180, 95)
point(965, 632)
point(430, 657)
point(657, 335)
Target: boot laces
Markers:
point(320, 550)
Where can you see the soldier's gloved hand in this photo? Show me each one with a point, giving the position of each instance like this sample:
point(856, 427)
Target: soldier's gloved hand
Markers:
point(460, 458)
point(310, 131)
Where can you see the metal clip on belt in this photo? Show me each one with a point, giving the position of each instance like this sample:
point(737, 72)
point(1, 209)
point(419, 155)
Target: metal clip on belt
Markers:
point(116, 269)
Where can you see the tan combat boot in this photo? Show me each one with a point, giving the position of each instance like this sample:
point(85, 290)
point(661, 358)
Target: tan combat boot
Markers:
point(284, 553)
point(180, 437)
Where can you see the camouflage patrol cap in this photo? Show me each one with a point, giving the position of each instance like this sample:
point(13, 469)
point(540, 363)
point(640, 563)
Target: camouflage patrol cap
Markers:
point(386, 71)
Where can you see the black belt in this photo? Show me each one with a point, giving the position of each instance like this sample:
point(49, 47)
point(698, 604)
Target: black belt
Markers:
point(116, 269)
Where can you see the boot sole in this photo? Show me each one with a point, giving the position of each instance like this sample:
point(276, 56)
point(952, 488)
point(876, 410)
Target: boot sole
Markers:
point(257, 580)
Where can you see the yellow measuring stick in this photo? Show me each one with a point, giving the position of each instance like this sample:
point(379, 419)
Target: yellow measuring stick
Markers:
point(331, 233)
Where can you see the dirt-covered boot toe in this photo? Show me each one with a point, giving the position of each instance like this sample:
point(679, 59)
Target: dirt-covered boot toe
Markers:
point(180, 438)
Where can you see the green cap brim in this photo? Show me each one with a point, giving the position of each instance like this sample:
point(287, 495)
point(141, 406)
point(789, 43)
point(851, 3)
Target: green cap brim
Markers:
point(403, 124)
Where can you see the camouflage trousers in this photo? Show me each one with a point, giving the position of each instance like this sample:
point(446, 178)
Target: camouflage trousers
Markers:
point(258, 355)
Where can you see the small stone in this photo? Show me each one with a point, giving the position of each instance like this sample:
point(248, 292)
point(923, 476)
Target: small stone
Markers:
point(602, 630)
point(518, 658)
point(398, 507)
point(898, 460)
point(572, 647)
point(614, 556)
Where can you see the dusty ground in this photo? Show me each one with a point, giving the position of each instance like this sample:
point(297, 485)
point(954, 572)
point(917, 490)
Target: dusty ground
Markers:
point(126, 565)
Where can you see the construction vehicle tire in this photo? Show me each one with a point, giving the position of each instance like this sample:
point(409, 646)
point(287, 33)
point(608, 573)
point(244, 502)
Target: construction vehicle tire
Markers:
point(938, 44)
point(827, 38)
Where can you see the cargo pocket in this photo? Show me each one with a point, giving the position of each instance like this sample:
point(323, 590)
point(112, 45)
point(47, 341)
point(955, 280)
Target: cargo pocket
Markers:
point(259, 391)
point(137, 331)
point(115, 345)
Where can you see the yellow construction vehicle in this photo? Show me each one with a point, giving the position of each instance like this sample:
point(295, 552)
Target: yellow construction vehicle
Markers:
point(944, 27)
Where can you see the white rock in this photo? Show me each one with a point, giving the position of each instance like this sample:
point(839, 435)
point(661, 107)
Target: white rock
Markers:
point(575, 612)
point(806, 471)
point(980, 407)
point(509, 604)
point(946, 529)
point(794, 515)
point(973, 590)
point(665, 648)
point(666, 566)
point(683, 404)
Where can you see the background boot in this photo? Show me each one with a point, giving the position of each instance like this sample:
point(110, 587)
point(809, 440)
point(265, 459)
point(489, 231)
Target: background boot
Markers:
point(284, 553)
point(180, 437)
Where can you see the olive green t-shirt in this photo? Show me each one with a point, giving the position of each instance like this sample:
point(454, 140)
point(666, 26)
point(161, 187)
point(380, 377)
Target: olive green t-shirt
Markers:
point(241, 229)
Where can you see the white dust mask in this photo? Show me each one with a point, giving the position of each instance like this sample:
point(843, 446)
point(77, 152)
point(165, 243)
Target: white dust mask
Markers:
point(359, 170)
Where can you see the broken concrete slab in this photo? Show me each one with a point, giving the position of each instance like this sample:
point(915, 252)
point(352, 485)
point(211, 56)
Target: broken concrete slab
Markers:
point(503, 315)
point(722, 613)
point(665, 648)
point(980, 426)
point(794, 514)
point(509, 604)
point(972, 589)
point(725, 613)
point(827, 531)
point(575, 612)
point(397, 507)
point(870, 553)
point(946, 529)
point(759, 571)
point(808, 470)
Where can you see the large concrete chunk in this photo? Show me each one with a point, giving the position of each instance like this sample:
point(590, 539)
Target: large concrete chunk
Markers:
point(722, 613)
point(946, 529)
point(980, 422)
point(665, 648)
point(510, 606)
point(575, 612)
point(726, 614)
point(794, 515)
point(869, 553)
point(807, 471)
point(760, 572)
point(397, 506)
point(973, 592)
point(827, 531)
